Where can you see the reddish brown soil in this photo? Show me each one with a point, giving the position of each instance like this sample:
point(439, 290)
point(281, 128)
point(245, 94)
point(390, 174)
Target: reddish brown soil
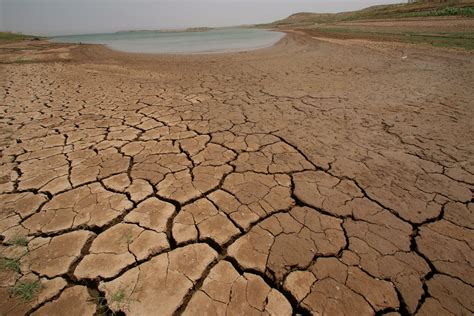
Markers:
point(311, 177)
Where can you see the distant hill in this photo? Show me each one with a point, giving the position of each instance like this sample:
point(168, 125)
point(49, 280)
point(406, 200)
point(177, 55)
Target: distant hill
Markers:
point(13, 37)
point(432, 8)
point(191, 29)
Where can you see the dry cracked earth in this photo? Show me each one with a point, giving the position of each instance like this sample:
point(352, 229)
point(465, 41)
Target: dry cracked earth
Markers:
point(307, 178)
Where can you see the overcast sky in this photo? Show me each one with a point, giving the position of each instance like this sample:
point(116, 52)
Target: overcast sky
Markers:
point(60, 17)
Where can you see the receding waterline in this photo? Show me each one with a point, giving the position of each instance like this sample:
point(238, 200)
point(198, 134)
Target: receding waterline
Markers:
point(166, 42)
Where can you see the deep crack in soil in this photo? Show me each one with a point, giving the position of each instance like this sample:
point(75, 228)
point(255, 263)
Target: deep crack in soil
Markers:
point(306, 178)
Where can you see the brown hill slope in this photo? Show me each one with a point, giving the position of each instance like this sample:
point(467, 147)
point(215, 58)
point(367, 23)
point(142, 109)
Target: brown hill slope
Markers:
point(404, 10)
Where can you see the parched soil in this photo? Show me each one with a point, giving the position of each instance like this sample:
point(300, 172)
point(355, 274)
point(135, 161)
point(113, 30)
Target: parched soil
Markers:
point(451, 32)
point(313, 177)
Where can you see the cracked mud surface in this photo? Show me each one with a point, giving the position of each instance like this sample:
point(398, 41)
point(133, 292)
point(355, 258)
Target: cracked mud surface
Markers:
point(310, 177)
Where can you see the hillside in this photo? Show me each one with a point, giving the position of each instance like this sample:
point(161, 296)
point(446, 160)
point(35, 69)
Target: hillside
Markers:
point(13, 37)
point(447, 24)
point(448, 8)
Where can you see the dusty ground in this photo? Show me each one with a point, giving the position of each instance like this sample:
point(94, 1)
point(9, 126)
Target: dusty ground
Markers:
point(453, 32)
point(311, 177)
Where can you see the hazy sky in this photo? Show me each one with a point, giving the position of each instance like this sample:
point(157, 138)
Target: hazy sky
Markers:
point(57, 17)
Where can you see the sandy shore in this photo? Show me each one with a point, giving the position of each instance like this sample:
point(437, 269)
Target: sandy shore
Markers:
point(316, 176)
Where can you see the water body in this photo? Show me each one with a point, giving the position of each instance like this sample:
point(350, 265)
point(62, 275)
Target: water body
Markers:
point(210, 41)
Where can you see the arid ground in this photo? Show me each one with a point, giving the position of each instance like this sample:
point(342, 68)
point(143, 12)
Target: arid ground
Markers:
point(319, 176)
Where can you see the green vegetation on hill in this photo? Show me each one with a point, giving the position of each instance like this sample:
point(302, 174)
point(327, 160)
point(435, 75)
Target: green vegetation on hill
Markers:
point(11, 37)
point(448, 11)
point(391, 11)
point(363, 24)
point(413, 10)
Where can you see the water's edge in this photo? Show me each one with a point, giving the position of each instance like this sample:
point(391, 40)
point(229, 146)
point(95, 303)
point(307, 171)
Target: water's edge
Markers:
point(225, 40)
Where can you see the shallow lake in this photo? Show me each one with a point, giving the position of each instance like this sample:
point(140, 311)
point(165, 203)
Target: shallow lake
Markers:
point(214, 40)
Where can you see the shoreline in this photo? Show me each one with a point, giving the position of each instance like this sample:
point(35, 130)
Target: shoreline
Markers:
point(216, 51)
point(291, 36)
point(304, 36)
